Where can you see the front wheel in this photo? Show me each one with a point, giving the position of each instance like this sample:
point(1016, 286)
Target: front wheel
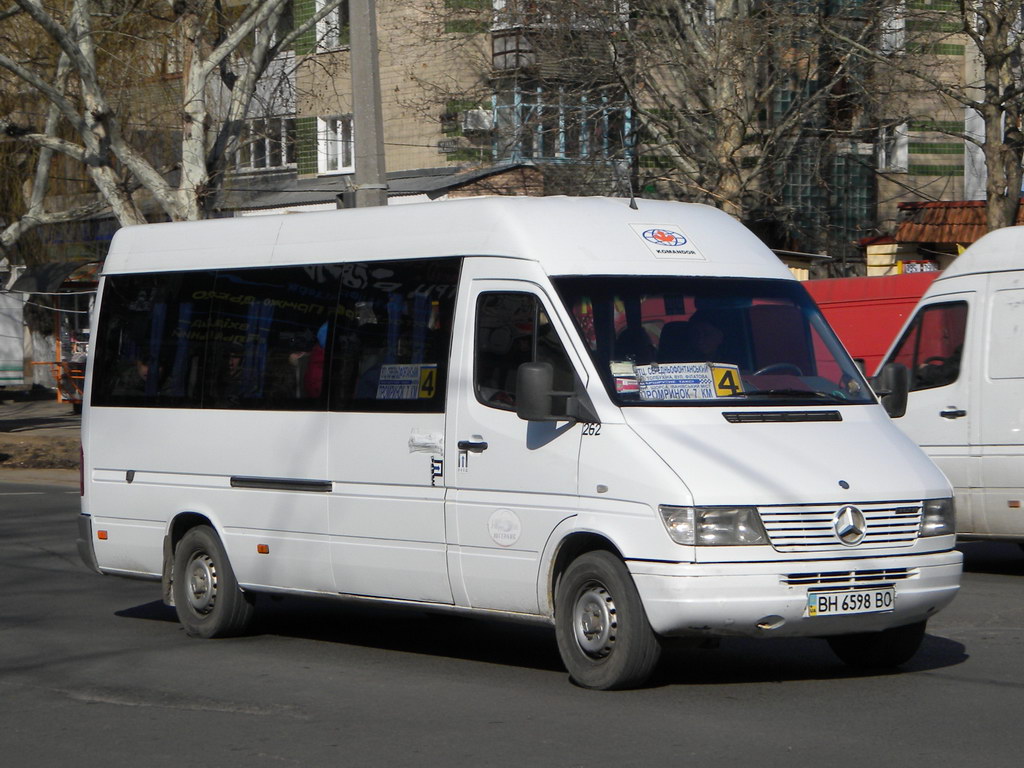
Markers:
point(206, 594)
point(879, 650)
point(603, 634)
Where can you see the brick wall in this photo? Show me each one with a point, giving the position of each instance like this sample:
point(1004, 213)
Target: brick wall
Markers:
point(420, 66)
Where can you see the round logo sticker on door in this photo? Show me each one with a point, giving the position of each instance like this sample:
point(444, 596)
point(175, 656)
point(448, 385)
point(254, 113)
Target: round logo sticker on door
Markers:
point(504, 527)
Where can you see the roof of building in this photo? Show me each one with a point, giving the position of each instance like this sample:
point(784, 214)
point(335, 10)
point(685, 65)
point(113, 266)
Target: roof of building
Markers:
point(955, 221)
point(281, 190)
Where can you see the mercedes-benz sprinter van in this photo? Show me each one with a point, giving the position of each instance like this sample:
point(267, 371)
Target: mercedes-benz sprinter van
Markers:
point(629, 421)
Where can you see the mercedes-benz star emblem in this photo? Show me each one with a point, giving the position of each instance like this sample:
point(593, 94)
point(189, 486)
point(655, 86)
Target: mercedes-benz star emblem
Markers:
point(850, 525)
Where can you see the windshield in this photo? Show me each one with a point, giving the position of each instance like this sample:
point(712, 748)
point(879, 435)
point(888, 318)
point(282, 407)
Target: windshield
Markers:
point(708, 341)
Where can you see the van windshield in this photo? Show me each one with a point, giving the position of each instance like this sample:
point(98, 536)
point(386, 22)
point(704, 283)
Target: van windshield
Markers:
point(708, 340)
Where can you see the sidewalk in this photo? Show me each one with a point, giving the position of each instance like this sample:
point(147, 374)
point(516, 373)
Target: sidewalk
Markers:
point(37, 434)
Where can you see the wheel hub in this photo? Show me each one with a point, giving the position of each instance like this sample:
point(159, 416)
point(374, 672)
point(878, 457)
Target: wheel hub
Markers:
point(594, 621)
point(202, 583)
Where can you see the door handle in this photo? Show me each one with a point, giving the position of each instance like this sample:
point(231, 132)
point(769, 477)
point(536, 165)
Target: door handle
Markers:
point(953, 413)
point(473, 446)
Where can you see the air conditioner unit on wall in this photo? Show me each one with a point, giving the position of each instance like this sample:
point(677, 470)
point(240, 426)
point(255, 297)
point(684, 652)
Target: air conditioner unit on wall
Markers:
point(476, 121)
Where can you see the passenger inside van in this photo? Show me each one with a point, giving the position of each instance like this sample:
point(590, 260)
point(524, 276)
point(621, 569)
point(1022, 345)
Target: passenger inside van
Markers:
point(695, 340)
point(634, 344)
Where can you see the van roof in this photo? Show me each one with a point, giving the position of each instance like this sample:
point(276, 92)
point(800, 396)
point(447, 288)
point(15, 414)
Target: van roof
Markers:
point(567, 236)
point(998, 251)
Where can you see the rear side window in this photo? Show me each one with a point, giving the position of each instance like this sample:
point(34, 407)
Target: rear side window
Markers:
point(372, 336)
point(151, 349)
point(933, 345)
point(392, 337)
point(267, 338)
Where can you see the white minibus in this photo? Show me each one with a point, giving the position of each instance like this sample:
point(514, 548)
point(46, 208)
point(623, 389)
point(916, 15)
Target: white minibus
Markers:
point(964, 346)
point(629, 421)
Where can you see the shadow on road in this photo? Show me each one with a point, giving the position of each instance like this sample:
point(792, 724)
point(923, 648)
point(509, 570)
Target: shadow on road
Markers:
point(403, 630)
point(747, 660)
point(996, 557)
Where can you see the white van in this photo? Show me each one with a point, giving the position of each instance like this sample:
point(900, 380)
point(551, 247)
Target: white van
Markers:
point(964, 346)
point(632, 423)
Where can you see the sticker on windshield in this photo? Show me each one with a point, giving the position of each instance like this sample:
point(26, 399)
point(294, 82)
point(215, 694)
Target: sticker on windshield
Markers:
point(407, 382)
point(667, 242)
point(727, 379)
point(625, 377)
point(688, 381)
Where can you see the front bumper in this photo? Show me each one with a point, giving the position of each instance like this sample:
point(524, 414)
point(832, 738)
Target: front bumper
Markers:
point(769, 599)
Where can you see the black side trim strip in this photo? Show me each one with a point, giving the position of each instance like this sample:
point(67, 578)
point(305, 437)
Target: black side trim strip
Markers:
point(762, 417)
point(282, 484)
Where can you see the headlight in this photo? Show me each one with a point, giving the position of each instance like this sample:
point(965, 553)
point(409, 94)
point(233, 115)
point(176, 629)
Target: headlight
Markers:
point(938, 518)
point(713, 526)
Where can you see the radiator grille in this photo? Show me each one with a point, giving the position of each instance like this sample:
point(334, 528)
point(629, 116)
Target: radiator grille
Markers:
point(812, 528)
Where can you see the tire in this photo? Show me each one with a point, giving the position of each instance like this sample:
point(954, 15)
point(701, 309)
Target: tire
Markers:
point(206, 594)
point(604, 638)
point(879, 650)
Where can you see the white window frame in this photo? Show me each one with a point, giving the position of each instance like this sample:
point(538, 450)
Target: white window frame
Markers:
point(894, 148)
point(328, 29)
point(335, 144)
point(266, 133)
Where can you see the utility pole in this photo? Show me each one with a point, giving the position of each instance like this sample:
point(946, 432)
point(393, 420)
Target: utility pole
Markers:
point(367, 123)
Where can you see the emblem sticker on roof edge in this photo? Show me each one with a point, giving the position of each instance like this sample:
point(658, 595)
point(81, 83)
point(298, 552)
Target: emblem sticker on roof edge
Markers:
point(667, 241)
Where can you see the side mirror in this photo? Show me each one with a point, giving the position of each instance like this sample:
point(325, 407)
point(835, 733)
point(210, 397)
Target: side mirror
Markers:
point(892, 386)
point(534, 390)
point(536, 399)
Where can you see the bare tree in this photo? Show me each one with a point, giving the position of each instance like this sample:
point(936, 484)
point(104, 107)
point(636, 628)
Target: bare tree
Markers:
point(709, 100)
point(92, 83)
point(948, 67)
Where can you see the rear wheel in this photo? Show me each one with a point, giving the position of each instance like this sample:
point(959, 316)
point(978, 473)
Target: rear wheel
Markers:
point(602, 630)
point(879, 650)
point(206, 594)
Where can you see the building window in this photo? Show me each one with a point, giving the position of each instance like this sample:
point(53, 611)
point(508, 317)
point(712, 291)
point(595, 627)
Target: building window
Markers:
point(597, 14)
point(285, 24)
point(512, 50)
point(552, 123)
point(333, 29)
point(265, 144)
point(893, 148)
point(335, 145)
point(894, 29)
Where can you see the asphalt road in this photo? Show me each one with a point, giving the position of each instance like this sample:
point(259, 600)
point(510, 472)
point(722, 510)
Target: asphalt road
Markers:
point(95, 671)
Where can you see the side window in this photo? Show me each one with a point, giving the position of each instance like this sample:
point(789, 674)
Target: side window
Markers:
point(267, 338)
point(933, 345)
point(393, 336)
point(150, 344)
point(512, 329)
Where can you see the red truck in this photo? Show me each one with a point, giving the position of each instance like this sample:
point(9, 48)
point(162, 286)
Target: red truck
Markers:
point(867, 312)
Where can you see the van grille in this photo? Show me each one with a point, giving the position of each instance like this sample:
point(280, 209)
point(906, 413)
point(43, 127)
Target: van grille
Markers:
point(808, 529)
point(879, 577)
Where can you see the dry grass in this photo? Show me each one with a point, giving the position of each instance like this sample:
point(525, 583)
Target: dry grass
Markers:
point(33, 451)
